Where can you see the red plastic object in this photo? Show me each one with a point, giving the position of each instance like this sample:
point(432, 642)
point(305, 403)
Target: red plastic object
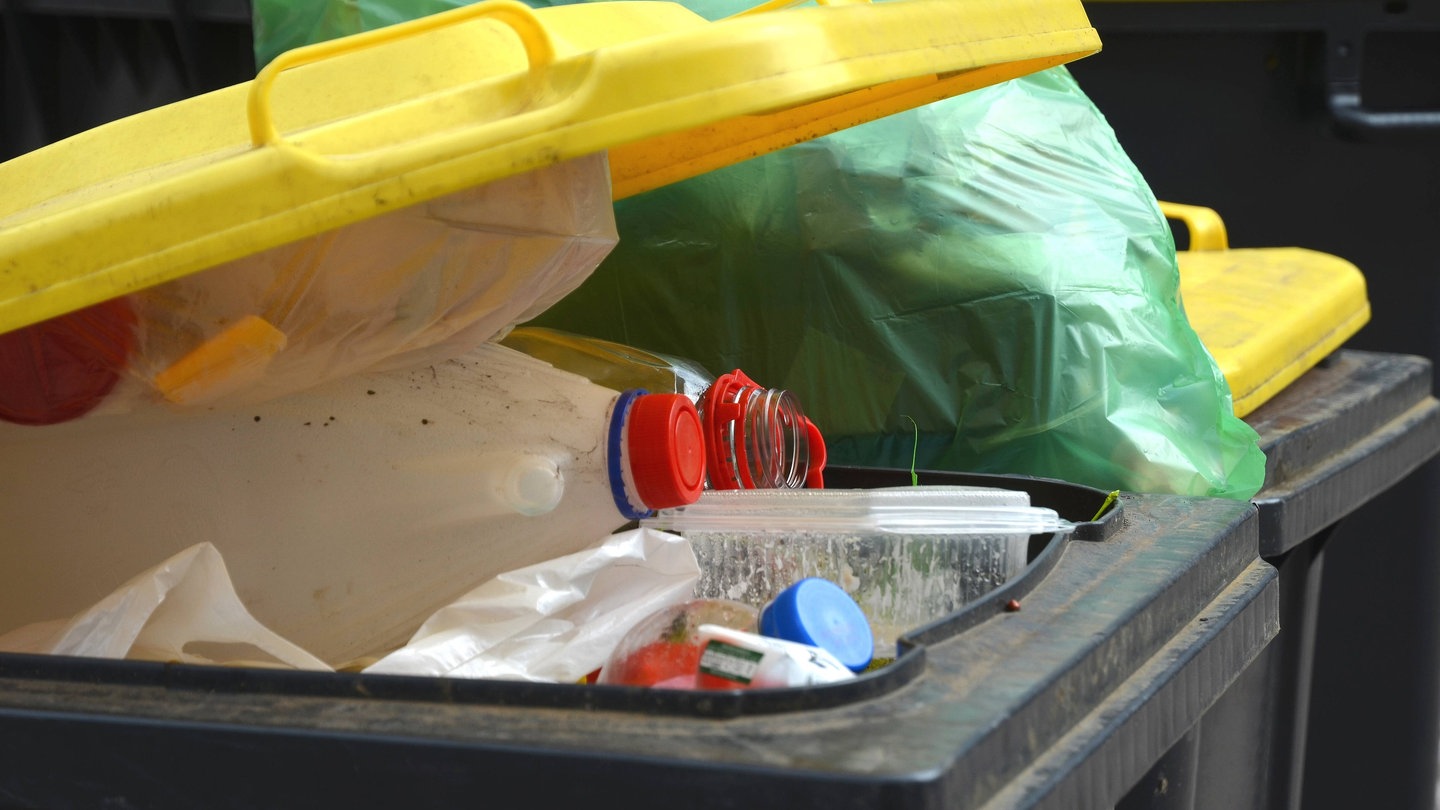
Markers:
point(663, 650)
point(815, 477)
point(60, 369)
point(667, 450)
point(750, 431)
point(658, 663)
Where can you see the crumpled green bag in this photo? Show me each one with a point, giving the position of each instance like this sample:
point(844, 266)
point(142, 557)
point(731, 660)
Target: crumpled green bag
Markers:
point(982, 284)
point(280, 25)
point(992, 267)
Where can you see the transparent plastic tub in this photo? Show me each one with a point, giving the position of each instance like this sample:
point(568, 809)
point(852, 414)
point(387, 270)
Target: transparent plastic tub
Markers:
point(908, 555)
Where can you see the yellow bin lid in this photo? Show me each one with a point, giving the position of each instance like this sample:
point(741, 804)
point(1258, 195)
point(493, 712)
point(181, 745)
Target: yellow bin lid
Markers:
point(1267, 315)
point(338, 132)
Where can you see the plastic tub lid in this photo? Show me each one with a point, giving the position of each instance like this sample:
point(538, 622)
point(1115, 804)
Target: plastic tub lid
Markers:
point(933, 510)
point(334, 133)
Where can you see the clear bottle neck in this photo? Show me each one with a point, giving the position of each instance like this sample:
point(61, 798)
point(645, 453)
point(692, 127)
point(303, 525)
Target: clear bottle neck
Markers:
point(767, 445)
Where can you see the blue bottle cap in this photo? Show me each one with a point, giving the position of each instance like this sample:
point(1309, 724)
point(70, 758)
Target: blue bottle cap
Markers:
point(818, 612)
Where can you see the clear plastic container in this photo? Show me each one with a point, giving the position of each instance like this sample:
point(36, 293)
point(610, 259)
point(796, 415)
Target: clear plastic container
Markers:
point(907, 555)
point(349, 512)
point(755, 437)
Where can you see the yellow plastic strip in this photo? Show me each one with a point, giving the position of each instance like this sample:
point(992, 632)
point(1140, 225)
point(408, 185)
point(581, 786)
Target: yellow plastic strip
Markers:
point(659, 161)
point(227, 362)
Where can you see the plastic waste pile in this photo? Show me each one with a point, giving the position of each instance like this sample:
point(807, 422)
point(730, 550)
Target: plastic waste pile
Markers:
point(623, 612)
point(812, 633)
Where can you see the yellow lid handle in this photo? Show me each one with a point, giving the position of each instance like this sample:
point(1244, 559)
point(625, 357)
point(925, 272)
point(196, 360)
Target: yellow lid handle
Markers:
point(1207, 229)
point(538, 48)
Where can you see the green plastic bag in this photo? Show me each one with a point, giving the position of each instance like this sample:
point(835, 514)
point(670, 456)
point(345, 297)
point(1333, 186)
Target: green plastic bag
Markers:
point(992, 267)
point(280, 25)
point(983, 284)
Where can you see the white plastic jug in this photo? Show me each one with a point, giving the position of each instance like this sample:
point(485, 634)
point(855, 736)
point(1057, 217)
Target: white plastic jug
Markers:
point(349, 512)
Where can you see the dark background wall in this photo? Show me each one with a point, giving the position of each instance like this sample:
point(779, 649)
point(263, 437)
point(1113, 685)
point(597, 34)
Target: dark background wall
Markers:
point(69, 65)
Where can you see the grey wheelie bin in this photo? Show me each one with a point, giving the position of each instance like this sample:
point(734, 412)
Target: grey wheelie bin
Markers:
point(1145, 660)
point(1158, 656)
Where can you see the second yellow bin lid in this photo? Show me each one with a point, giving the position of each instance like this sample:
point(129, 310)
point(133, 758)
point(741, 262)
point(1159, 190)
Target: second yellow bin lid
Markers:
point(338, 132)
point(1267, 315)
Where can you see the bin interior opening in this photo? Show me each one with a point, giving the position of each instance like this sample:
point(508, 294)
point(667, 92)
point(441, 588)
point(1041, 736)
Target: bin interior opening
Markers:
point(1073, 502)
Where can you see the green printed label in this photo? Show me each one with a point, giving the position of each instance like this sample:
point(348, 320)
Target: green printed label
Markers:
point(730, 662)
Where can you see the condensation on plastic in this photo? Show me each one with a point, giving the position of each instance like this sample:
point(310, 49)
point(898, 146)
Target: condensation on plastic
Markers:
point(421, 284)
point(992, 267)
point(664, 648)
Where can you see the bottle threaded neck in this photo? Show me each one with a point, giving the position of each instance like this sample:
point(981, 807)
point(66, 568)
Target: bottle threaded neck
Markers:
point(777, 447)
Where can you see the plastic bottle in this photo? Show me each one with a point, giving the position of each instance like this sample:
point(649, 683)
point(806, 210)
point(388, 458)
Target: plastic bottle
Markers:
point(756, 438)
point(347, 513)
point(812, 632)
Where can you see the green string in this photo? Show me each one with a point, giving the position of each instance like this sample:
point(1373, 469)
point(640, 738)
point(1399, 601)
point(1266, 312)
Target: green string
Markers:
point(1109, 499)
point(914, 451)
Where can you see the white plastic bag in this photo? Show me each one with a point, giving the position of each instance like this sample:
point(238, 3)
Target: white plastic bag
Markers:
point(183, 609)
point(555, 621)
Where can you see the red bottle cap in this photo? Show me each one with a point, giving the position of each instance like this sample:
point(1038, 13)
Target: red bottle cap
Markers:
point(667, 450)
point(724, 442)
point(60, 369)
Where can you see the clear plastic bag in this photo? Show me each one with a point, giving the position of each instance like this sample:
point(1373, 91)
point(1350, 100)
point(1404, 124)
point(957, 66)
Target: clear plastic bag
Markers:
point(553, 621)
point(419, 284)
